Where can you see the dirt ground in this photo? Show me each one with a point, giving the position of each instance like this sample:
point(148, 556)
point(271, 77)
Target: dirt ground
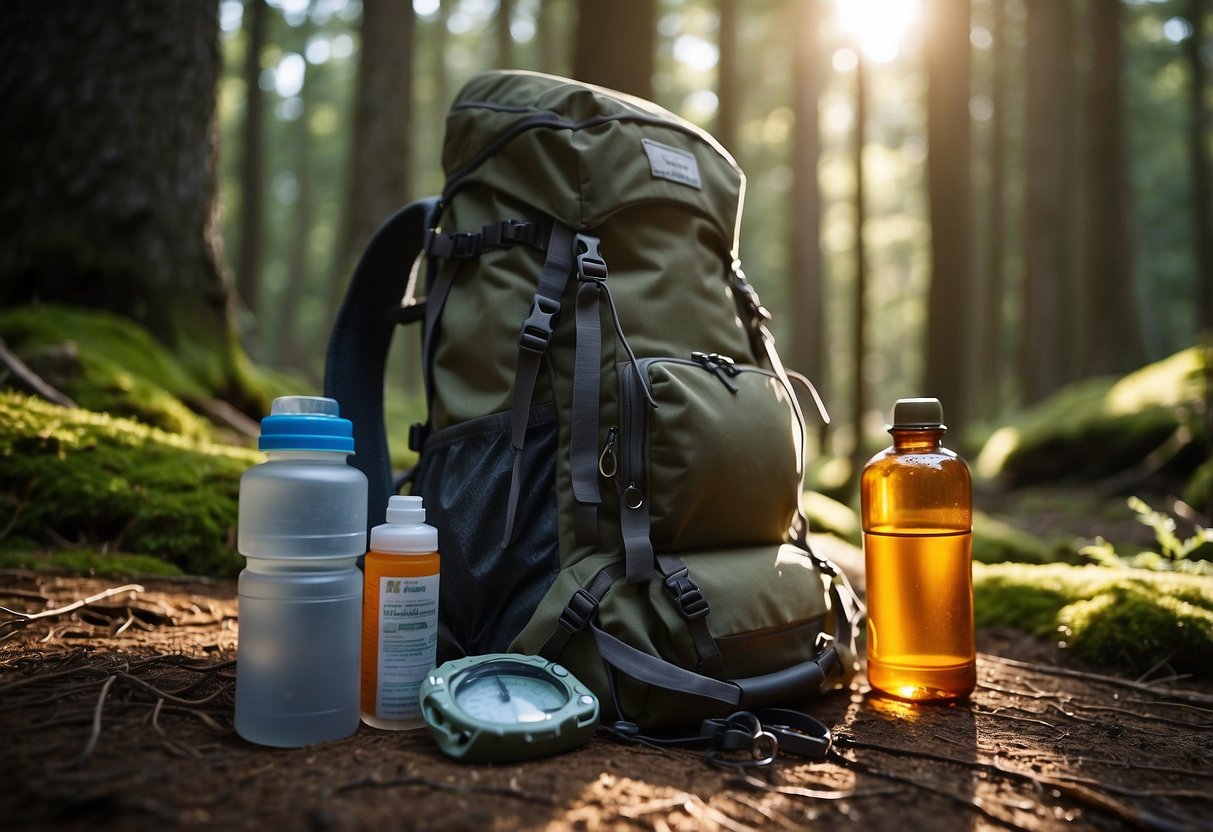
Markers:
point(117, 714)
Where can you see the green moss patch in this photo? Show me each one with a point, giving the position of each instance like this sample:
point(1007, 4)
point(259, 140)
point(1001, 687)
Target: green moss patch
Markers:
point(106, 363)
point(74, 479)
point(1129, 620)
point(87, 562)
point(1100, 426)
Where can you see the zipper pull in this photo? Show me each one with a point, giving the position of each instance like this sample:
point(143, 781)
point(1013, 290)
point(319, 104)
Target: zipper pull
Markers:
point(727, 364)
point(712, 363)
point(608, 465)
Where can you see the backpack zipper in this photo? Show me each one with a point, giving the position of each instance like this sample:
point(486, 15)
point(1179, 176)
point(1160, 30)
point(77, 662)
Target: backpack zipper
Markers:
point(632, 451)
point(608, 463)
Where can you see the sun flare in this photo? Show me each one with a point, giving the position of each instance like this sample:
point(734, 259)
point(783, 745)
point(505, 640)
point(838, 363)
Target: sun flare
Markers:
point(878, 26)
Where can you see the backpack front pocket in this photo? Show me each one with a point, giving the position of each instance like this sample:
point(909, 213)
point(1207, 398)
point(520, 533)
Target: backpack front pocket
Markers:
point(718, 461)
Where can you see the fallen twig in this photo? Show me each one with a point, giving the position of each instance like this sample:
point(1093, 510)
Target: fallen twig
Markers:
point(26, 617)
point(96, 734)
point(31, 380)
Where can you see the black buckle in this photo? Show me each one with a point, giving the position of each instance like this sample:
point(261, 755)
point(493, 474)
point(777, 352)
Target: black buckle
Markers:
point(577, 613)
point(465, 245)
point(537, 328)
point(418, 433)
point(513, 232)
point(462, 245)
point(687, 595)
point(758, 313)
point(590, 265)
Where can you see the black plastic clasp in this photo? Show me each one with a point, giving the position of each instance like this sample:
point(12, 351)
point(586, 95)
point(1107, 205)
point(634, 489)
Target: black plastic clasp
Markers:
point(590, 265)
point(537, 328)
point(759, 316)
point(578, 611)
point(687, 595)
point(418, 433)
point(511, 232)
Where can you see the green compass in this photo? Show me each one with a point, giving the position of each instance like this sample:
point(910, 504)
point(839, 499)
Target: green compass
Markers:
point(505, 707)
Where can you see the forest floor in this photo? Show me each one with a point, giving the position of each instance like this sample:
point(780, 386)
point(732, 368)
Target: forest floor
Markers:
point(117, 714)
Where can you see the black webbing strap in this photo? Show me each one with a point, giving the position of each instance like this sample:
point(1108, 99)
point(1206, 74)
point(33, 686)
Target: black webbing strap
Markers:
point(635, 522)
point(579, 611)
point(693, 606)
point(533, 342)
point(468, 245)
point(587, 367)
point(435, 302)
point(660, 673)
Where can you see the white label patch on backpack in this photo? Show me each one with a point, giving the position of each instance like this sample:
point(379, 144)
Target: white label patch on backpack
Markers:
point(671, 163)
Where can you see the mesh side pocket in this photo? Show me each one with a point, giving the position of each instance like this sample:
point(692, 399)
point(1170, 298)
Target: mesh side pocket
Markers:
point(488, 593)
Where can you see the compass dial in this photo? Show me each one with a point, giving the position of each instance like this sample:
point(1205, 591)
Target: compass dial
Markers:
point(505, 707)
point(508, 693)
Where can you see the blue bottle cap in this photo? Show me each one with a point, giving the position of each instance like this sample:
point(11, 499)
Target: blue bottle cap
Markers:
point(306, 423)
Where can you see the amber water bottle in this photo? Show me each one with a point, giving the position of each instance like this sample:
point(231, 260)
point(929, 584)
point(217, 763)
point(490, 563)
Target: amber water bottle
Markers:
point(916, 500)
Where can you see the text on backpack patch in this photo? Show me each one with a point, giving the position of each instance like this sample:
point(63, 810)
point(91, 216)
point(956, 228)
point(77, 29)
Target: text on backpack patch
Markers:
point(671, 163)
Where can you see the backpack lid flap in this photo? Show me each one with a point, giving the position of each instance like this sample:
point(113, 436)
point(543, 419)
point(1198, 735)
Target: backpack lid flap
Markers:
point(581, 153)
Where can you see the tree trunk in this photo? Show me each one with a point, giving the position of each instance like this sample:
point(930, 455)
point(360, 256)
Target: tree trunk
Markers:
point(505, 38)
point(859, 343)
point(1045, 346)
point(288, 351)
point(1202, 176)
point(551, 40)
point(807, 345)
point(728, 81)
point(379, 149)
point(950, 307)
point(616, 45)
point(252, 162)
point(1112, 330)
point(108, 166)
point(990, 377)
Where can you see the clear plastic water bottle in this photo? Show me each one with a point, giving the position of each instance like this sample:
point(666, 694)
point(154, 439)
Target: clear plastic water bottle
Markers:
point(302, 528)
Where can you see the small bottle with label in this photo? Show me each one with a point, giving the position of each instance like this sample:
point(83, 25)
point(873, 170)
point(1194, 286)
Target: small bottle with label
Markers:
point(399, 615)
point(917, 536)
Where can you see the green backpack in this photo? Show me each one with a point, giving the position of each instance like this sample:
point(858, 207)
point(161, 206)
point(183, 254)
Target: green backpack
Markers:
point(613, 454)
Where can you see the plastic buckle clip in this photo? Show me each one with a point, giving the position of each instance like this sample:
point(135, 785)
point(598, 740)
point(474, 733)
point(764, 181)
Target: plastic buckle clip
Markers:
point(465, 245)
point(537, 328)
point(577, 613)
point(591, 268)
point(687, 595)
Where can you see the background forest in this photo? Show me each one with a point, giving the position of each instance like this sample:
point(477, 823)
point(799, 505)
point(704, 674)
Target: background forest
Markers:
point(1060, 229)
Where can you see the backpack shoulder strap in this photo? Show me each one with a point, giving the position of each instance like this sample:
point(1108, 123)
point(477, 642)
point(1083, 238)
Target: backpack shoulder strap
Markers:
point(358, 345)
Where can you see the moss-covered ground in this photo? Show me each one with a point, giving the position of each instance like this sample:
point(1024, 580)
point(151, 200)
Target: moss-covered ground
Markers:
point(1132, 620)
point(88, 486)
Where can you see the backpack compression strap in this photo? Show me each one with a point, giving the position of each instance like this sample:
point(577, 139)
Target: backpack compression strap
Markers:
point(358, 345)
point(533, 342)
